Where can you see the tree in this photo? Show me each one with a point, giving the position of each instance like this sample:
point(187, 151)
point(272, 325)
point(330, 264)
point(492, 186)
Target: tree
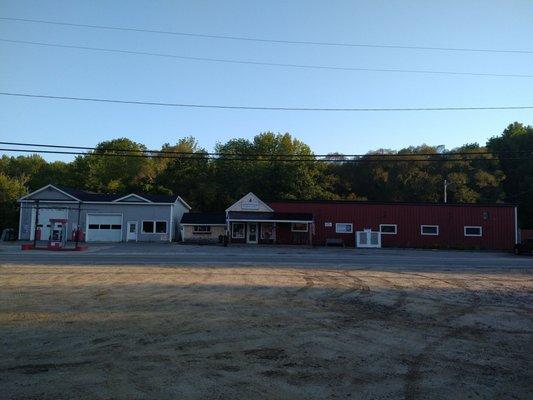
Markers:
point(518, 182)
point(11, 189)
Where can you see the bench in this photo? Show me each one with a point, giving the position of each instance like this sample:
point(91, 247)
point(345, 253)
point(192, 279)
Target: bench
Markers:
point(334, 242)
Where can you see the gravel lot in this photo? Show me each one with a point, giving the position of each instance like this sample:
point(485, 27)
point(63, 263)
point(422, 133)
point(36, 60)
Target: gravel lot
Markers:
point(149, 332)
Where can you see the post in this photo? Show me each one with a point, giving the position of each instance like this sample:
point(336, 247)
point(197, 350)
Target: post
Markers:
point(445, 191)
point(36, 223)
point(78, 224)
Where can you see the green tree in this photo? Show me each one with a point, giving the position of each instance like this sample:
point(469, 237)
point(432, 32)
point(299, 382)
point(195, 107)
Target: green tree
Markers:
point(11, 189)
point(518, 182)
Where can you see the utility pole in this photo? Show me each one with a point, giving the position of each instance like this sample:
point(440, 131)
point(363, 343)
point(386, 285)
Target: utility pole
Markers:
point(36, 223)
point(446, 184)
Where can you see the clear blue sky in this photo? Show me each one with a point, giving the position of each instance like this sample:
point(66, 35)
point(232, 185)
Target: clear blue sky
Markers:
point(505, 24)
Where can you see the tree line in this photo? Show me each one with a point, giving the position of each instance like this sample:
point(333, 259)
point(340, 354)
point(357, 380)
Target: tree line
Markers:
point(211, 183)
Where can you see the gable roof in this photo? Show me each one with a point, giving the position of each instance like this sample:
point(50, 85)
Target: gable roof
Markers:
point(87, 196)
point(254, 202)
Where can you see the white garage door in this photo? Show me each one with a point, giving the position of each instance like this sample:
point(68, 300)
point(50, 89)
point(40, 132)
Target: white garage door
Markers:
point(104, 228)
point(45, 214)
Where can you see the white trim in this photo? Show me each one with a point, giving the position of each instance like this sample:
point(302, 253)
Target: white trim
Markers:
point(130, 195)
point(270, 220)
point(99, 202)
point(184, 203)
point(244, 230)
point(389, 233)
point(154, 232)
point(187, 224)
point(343, 223)
point(260, 201)
point(171, 228)
point(46, 187)
point(298, 230)
point(516, 239)
point(429, 226)
point(480, 230)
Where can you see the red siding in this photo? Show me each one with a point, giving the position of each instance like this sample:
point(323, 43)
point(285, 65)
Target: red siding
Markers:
point(498, 225)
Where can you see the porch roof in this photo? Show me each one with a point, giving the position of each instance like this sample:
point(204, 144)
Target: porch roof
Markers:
point(248, 216)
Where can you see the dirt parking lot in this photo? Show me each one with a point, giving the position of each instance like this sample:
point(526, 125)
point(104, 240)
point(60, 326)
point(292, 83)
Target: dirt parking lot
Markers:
point(141, 332)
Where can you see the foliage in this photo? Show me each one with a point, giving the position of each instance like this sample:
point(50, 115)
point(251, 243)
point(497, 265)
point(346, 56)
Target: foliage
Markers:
point(11, 189)
point(210, 184)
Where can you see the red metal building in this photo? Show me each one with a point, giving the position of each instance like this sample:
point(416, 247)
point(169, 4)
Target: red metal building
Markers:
point(363, 224)
point(422, 225)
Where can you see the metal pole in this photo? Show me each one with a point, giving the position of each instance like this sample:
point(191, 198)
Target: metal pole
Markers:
point(445, 191)
point(78, 224)
point(36, 223)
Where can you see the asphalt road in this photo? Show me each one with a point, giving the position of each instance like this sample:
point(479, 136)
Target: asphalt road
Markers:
point(174, 255)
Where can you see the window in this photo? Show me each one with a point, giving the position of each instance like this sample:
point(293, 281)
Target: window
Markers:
point(92, 226)
point(116, 226)
point(388, 229)
point(237, 231)
point(299, 227)
point(154, 227)
point(432, 230)
point(105, 226)
point(148, 226)
point(473, 231)
point(202, 229)
point(343, 228)
point(161, 227)
point(267, 231)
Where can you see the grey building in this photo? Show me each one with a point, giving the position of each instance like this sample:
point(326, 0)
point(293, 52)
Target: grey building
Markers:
point(102, 217)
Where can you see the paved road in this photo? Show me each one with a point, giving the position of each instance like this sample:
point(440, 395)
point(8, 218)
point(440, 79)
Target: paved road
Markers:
point(174, 255)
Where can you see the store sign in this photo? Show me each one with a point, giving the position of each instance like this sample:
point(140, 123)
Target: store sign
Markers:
point(250, 204)
point(328, 224)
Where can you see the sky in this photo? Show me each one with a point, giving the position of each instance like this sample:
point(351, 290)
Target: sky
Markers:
point(505, 24)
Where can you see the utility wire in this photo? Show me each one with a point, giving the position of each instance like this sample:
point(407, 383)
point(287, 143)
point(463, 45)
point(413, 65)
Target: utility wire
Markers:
point(330, 156)
point(268, 64)
point(278, 41)
point(217, 106)
point(242, 158)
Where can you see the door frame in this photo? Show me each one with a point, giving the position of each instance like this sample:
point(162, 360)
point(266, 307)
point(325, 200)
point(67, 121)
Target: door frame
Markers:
point(136, 230)
point(248, 241)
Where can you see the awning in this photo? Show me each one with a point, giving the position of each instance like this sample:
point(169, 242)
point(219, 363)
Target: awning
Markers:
point(246, 216)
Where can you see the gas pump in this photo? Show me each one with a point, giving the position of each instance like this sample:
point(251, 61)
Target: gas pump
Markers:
point(58, 234)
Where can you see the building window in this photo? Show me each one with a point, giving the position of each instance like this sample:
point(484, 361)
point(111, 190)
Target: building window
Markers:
point(388, 229)
point(299, 227)
point(161, 227)
point(116, 226)
point(105, 226)
point(431, 230)
point(343, 228)
point(148, 227)
point(237, 230)
point(91, 226)
point(267, 231)
point(154, 227)
point(473, 231)
point(202, 229)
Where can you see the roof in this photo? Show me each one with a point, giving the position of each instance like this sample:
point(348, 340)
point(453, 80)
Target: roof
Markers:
point(269, 216)
point(207, 218)
point(84, 195)
point(87, 196)
point(392, 203)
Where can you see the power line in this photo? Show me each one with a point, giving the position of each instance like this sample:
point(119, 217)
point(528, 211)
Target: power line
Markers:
point(224, 107)
point(313, 156)
point(268, 64)
point(265, 40)
point(244, 158)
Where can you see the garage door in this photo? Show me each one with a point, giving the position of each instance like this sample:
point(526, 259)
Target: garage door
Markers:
point(104, 228)
point(45, 214)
